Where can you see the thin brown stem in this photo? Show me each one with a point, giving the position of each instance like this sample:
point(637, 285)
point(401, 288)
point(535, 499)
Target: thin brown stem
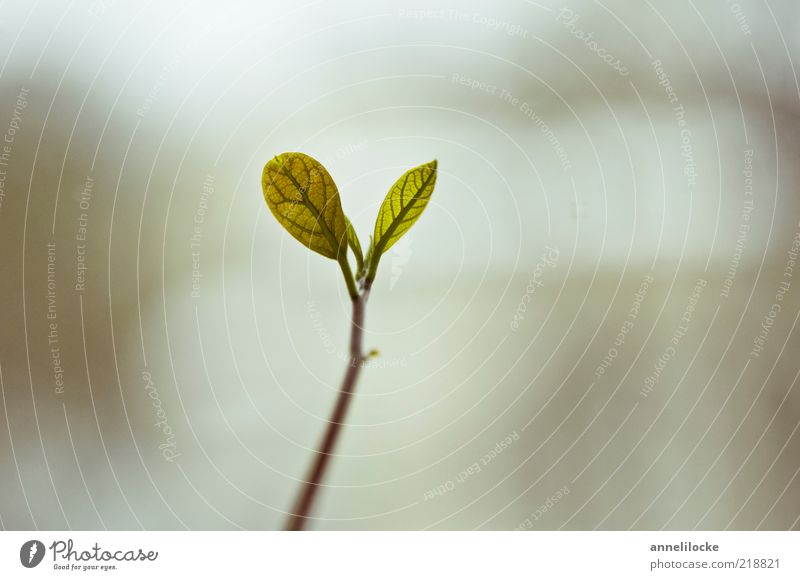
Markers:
point(299, 517)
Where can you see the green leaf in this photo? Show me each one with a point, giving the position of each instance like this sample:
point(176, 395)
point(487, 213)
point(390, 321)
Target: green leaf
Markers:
point(370, 250)
point(402, 207)
point(355, 245)
point(304, 199)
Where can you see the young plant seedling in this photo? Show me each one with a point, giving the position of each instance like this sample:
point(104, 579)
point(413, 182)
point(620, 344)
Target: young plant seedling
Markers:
point(304, 199)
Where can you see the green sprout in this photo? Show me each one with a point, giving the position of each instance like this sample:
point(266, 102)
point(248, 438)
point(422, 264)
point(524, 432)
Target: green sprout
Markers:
point(304, 199)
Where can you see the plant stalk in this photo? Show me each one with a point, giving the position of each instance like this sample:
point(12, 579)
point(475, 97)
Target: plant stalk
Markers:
point(299, 517)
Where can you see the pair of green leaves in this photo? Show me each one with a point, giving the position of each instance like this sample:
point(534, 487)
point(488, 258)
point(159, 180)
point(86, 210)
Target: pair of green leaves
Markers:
point(303, 197)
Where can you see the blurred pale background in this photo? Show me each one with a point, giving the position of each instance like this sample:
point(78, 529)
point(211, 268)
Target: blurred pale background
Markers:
point(200, 346)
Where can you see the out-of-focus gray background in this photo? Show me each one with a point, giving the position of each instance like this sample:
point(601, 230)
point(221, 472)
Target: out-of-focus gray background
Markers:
point(592, 326)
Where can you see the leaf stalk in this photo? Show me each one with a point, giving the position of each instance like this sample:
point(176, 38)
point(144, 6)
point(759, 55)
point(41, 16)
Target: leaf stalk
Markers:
point(299, 518)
